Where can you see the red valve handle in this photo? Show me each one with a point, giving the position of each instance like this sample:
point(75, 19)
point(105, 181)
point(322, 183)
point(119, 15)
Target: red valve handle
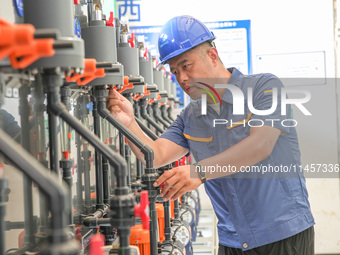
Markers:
point(146, 54)
point(142, 210)
point(109, 22)
point(132, 40)
point(77, 2)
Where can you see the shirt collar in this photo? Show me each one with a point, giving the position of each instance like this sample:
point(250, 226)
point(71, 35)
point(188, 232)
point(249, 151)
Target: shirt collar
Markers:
point(236, 75)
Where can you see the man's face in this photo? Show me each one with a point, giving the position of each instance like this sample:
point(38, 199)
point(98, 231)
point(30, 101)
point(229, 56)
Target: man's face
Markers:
point(191, 65)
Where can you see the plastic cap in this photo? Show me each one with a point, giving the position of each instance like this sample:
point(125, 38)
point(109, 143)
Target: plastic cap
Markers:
point(181, 34)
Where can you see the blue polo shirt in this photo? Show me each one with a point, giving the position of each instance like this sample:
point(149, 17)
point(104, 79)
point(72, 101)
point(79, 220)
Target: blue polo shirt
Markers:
point(266, 202)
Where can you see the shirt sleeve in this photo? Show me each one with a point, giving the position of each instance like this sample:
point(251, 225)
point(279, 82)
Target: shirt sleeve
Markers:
point(265, 90)
point(175, 132)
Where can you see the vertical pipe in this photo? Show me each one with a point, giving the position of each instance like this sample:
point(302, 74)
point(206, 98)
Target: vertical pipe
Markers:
point(3, 200)
point(53, 134)
point(38, 108)
point(28, 185)
point(79, 185)
point(98, 158)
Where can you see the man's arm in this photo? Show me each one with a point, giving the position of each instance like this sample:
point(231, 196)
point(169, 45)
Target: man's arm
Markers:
point(251, 150)
point(165, 151)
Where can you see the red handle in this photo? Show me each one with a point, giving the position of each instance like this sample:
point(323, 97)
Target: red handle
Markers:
point(132, 40)
point(109, 22)
point(142, 210)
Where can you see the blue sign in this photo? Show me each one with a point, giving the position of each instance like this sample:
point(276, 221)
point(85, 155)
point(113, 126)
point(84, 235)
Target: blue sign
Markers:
point(77, 28)
point(129, 8)
point(19, 7)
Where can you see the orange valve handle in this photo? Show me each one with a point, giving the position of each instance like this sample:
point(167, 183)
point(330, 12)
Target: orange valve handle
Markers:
point(90, 73)
point(13, 35)
point(25, 55)
point(125, 87)
point(142, 210)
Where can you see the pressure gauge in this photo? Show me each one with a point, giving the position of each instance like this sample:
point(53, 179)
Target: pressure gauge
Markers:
point(192, 202)
point(181, 232)
point(172, 249)
point(187, 214)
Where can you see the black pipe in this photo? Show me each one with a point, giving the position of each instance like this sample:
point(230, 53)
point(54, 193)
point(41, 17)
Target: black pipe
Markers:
point(170, 114)
point(47, 182)
point(146, 130)
point(28, 185)
point(106, 187)
point(155, 108)
point(39, 109)
point(98, 159)
point(52, 122)
point(128, 162)
point(164, 114)
point(58, 109)
point(148, 178)
point(3, 200)
point(144, 115)
point(101, 95)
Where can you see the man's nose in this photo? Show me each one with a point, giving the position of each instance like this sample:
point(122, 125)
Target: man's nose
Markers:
point(183, 77)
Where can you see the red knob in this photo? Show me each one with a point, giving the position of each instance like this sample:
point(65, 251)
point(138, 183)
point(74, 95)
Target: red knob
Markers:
point(142, 210)
point(109, 22)
point(132, 40)
point(77, 2)
point(146, 54)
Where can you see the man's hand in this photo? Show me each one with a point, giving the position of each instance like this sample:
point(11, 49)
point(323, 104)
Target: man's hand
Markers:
point(177, 182)
point(120, 108)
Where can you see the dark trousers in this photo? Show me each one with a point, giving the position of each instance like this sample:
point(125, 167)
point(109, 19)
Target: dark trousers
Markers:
point(299, 244)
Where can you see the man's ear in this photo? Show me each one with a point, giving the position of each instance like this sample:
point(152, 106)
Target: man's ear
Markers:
point(213, 55)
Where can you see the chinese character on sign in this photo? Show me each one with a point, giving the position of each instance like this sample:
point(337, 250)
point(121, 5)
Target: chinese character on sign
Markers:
point(129, 8)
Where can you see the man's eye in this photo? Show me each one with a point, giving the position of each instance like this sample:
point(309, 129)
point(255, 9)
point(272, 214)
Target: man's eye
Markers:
point(186, 66)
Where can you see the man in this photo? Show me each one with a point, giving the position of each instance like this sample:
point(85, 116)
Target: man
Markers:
point(258, 212)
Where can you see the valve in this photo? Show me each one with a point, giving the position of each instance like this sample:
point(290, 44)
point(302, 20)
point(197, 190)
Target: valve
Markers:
point(90, 73)
point(132, 40)
point(110, 22)
point(146, 54)
point(126, 85)
point(142, 210)
point(18, 43)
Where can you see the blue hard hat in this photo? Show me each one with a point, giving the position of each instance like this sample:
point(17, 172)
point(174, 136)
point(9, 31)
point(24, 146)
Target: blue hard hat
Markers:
point(181, 34)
